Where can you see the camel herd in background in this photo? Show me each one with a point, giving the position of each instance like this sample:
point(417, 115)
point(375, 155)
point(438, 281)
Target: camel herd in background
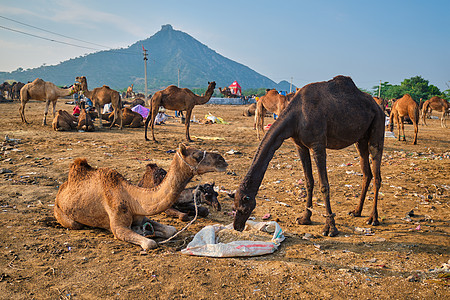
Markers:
point(323, 115)
point(179, 99)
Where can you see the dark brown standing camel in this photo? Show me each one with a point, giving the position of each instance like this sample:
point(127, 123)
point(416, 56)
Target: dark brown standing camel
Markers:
point(101, 96)
point(273, 102)
point(43, 91)
point(405, 106)
point(331, 114)
point(174, 98)
point(438, 104)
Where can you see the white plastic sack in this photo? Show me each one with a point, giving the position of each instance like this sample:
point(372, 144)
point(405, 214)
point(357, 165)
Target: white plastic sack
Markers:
point(204, 242)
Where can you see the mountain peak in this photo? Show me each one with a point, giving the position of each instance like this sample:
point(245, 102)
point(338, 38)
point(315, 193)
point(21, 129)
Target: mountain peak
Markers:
point(166, 27)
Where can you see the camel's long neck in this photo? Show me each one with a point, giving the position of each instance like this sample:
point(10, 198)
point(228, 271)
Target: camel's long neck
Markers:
point(157, 200)
point(206, 97)
point(64, 92)
point(280, 130)
point(86, 92)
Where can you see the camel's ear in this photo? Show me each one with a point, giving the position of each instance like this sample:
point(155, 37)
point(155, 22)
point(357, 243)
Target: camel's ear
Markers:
point(183, 149)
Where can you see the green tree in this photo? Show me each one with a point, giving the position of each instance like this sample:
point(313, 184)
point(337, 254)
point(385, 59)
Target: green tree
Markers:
point(417, 87)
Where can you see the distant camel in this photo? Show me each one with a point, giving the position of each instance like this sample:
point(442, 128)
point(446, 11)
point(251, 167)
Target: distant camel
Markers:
point(101, 96)
point(174, 98)
point(404, 106)
point(437, 104)
point(332, 114)
point(85, 122)
point(381, 102)
point(43, 91)
point(129, 91)
point(64, 121)
point(104, 198)
point(130, 118)
point(273, 102)
point(15, 90)
point(249, 110)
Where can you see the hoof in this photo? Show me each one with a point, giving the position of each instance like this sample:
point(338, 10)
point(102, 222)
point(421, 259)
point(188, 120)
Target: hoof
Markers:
point(149, 244)
point(304, 220)
point(184, 217)
point(373, 221)
point(327, 231)
point(354, 213)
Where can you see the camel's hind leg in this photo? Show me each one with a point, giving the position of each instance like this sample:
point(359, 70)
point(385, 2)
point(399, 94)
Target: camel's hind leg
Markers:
point(363, 150)
point(64, 220)
point(307, 171)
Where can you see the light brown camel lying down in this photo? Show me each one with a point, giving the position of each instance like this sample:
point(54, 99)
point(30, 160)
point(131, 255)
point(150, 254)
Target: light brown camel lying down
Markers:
point(104, 198)
point(84, 120)
point(64, 121)
point(129, 118)
point(184, 206)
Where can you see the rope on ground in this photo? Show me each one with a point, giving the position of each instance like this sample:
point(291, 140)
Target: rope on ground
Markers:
point(190, 223)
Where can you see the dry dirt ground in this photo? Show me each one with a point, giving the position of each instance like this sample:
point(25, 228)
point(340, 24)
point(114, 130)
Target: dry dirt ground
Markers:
point(400, 259)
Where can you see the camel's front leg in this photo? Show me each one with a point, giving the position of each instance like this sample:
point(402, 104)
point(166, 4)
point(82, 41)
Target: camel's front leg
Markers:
point(307, 170)
point(320, 157)
point(187, 123)
point(22, 111)
point(125, 233)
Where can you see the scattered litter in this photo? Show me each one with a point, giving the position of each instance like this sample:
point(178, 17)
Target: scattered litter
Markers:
point(4, 171)
point(444, 268)
point(233, 152)
point(282, 203)
point(266, 216)
point(213, 138)
point(11, 140)
point(308, 236)
point(108, 154)
point(170, 151)
point(389, 134)
point(215, 119)
point(364, 231)
point(267, 127)
point(348, 185)
point(413, 278)
point(205, 241)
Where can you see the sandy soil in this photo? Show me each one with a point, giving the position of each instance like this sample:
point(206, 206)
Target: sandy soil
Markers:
point(39, 259)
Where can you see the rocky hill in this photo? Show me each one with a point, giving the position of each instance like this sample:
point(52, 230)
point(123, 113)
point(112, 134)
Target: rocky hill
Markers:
point(169, 51)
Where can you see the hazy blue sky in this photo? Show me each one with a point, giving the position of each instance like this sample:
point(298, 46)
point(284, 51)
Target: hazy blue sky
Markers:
point(308, 41)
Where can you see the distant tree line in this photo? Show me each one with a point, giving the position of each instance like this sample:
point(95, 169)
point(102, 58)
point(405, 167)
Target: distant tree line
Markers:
point(417, 87)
